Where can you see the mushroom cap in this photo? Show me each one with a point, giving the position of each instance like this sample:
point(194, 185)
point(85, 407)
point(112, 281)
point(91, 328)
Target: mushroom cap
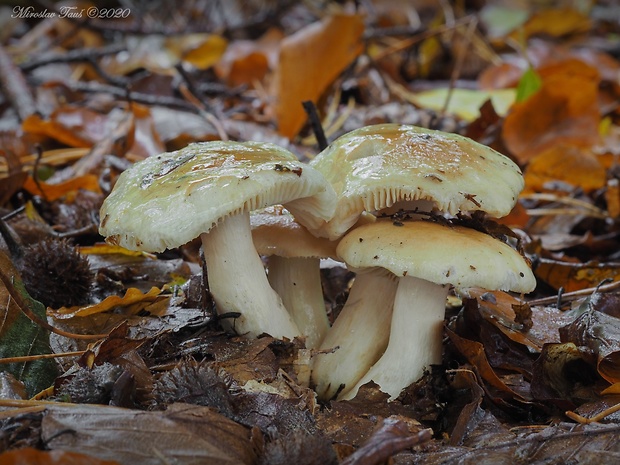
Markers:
point(442, 254)
point(165, 201)
point(275, 232)
point(373, 167)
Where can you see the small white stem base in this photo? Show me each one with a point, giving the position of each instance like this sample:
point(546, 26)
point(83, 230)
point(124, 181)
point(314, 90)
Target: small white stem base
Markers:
point(415, 337)
point(238, 282)
point(360, 332)
point(298, 282)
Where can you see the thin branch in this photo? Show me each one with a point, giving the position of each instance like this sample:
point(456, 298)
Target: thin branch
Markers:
point(14, 87)
point(315, 122)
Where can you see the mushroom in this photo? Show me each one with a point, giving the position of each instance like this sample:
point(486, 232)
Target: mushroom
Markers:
point(383, 168)
point(374, 167)
point(207, 190)
point(293, 264)
point(427, 257)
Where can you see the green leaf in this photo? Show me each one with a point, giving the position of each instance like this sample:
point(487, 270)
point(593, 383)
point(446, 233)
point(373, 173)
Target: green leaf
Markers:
point(19, 336)
point(529, 84)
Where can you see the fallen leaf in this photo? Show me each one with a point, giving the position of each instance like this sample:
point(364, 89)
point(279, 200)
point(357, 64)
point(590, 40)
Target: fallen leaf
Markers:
point(31, 456)
point(574, 276)
point(73, 126)
point(182, 434)
point(56, 191)
point(309, 61)
point(207, 52)
point(573, 165)
point(555, 22)
point(556, 113)
point(132, 297)
point(465, 103)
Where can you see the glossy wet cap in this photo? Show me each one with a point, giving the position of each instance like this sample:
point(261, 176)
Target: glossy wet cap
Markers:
point(167, 200)
point(275, 232)
point(438, 253)
point(374, 167)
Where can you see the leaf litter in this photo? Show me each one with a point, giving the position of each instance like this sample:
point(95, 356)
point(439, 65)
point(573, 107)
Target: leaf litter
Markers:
point(524, 379)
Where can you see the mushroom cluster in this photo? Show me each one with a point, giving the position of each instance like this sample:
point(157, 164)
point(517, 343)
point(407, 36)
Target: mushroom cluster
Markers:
point(337, 206)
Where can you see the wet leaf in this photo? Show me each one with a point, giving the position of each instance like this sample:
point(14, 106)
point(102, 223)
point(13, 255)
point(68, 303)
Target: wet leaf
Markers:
point(529, 83)
point(207, 52)
point(600, 333)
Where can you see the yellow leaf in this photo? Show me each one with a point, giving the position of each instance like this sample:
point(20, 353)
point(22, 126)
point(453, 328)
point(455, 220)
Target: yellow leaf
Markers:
point(105, 249)
point(207, 53)
point(131, 297)
point(53, 192)
point(554, 22)
point(309, 61)
point(465, 103)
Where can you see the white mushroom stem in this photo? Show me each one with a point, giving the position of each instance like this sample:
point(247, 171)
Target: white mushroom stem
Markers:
point(415, 337)
point(298, 282)
point(238, 282)
point(360, 333)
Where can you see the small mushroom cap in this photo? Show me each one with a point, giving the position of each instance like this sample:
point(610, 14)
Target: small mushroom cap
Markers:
point(441, 254)
point(373, 167)
point(275, 232)
point(167, 200)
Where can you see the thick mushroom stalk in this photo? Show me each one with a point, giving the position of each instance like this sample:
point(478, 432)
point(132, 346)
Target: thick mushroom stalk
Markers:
point(297, 280)
point(415, 340)
point(238, 282)
point(428, 257)
point(359, 334)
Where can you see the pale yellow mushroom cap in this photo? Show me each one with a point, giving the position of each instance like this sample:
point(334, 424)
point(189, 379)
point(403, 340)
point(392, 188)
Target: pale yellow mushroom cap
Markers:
point(275, 232)
point(167, 200)
point(438, 253)
point(374, 167)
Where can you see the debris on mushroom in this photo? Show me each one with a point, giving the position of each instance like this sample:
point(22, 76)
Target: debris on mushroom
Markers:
point(376, 166)
point(427, 258)
point(207, 190)
point(293, 262)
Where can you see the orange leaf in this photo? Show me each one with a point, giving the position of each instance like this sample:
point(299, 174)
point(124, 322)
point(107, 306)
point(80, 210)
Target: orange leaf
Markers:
point(575, 276)
point(570, 164)
point(554, 22)
point(132, 296)
point(563, 110)
point(30, 456)
point(309, 61)
point(55, 191)
point(76, 127)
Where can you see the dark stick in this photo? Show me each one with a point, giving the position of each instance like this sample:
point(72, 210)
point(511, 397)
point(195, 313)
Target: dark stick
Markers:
point(317, 127)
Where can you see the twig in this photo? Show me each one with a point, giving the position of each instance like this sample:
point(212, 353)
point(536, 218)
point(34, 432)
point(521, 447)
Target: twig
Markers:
point(596, 418)
point(315, 122)
point(567, 296)
point(72, 56)
point(14, 87)
point(138, 97)
point(30, 358)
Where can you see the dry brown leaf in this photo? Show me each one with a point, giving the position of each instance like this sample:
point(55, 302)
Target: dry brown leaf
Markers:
point(183, 434)
point(309, 61)
point(573, 165)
